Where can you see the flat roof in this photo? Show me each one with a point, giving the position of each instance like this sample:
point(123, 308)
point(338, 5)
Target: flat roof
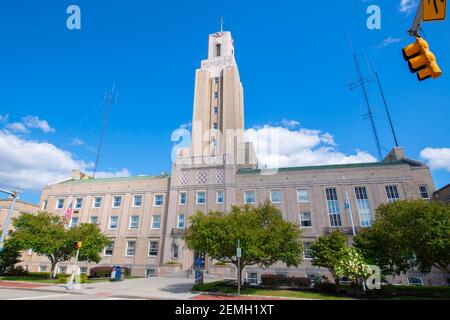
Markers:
point(116, 179)
point(333, 166)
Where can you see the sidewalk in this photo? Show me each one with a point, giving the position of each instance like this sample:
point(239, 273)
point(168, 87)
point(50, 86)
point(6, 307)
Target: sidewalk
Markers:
point(150, 289)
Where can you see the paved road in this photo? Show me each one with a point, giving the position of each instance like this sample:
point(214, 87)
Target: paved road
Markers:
point(14, 294)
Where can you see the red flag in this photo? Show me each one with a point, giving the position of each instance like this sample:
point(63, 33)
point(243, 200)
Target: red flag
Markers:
point(68, 214)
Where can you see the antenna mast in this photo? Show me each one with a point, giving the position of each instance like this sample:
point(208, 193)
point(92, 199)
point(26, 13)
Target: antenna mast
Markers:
point(110, 98)
point(362, 82)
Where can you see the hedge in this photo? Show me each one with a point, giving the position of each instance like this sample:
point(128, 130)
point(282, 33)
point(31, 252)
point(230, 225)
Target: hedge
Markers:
point(105, 272)
point(275, 280)
point(63, 278)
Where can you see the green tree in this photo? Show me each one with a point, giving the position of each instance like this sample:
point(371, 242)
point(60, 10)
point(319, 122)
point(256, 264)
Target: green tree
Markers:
point(10, 256)
point(353, 266)
point(328, 251)
point(265, 237)
point(408, 234)
point(48, 235)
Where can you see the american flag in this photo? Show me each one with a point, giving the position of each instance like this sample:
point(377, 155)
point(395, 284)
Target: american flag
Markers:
point(68, 214)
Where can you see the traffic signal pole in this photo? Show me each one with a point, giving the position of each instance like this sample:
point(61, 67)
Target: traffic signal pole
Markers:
point(14, 195)
point(414, 31)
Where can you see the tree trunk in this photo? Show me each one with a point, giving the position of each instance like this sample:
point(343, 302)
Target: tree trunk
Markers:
point(53, 263)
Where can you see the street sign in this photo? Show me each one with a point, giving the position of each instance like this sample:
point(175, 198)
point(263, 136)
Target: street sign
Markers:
point(434, 10)
point(238, 252)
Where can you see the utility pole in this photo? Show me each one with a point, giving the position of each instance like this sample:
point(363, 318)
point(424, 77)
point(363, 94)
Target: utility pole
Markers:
point(14, 195)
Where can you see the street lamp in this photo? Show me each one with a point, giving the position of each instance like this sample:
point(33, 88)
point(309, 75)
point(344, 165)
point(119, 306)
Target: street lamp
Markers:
point(14, 195)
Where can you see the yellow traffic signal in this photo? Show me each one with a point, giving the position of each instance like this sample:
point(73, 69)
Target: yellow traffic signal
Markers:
point(421, 60)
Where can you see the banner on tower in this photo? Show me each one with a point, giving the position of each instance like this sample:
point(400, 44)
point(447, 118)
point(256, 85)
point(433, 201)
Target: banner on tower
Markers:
point(434, 10)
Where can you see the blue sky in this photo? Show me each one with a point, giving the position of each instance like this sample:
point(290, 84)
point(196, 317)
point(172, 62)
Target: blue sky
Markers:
point(295, 64)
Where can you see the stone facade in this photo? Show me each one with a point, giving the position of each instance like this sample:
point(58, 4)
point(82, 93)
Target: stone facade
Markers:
point(219, 171)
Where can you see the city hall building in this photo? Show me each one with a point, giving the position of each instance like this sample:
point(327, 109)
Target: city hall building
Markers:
point(145, 217)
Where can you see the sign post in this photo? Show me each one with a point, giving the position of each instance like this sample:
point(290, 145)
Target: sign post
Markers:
point(72, 277)
point(238, 256)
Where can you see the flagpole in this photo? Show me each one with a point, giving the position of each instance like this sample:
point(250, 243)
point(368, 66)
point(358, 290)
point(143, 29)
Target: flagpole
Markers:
point(350, 212)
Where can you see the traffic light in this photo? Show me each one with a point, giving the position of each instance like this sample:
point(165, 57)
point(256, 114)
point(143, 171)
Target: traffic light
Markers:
point(421, 60)
point(78, 245)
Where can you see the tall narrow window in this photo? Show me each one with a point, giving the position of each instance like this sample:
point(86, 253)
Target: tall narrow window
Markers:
point(305, 220)
point(392, 194)
point(97, 202)
point(137, 201)
point(180, 221)
point(109, 249)
point(78, 203)
point(182, 198)
point(117, 201)
point(362, 201)
point(424, 192)
point(134, 222)
point(131, 249)
point(334, 212)
point(218, 50)
point(60, 203)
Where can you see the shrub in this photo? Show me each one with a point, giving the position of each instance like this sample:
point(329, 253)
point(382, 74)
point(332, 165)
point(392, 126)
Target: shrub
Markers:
point(325, 287)
point(105, 272)
point(17, 271)
point(39, 275)
point(276, 280)
point(414, 291)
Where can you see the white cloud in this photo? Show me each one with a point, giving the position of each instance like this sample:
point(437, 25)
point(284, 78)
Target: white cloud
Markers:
point(110, 174)
point(437, 158)
point(17, 127)
point(279, 147)
point(77, 142)
point(407, 6)
point(289, 123)
point(388, 41)
point(30, 165)
point(34, 122)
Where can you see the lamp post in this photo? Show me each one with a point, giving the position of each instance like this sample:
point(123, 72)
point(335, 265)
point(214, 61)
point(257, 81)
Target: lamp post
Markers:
point(14, 195)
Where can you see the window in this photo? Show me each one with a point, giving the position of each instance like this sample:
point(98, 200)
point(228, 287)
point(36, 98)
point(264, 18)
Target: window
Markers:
point(117, 201)
point(97, 202)
point(60, 204)
point(305, 220)
point(334, 212)
point(275, 196)
point(42, 268)
point(78, 203)
point(216, 94)
point(307, 250)
point(137, 201)
point(83, 270)
point(302, 195)
point(363, 204)
point(252, 278)
point(159, 199)
point(74, 222)
point(216, 110)
point(175, 251)
point(216, 80)
point(153, 249)
point(94, 220)
point(131, 248)
point(109, 249)
point(180, 222)
point(183, 198)
point(201, 197)
point(415, 281)
point(249, 197)
point(156, 222)
point(216, 126)
point(218, 49)
point(219, 197)
point(113, 222)
point(44, 204)
point(150, 273)
point(134, 222)
point(62, 269)
point(424, 192)
point(392, 194)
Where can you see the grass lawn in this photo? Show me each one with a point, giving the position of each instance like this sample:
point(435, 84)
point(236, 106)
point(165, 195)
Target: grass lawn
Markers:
point(221, 287)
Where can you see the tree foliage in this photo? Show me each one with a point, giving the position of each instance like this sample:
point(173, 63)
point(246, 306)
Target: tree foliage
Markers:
point(408, 234)
point(264, 236)
point(10, 256)
point(48, 235)
point(328, 251)
point(352, 265)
